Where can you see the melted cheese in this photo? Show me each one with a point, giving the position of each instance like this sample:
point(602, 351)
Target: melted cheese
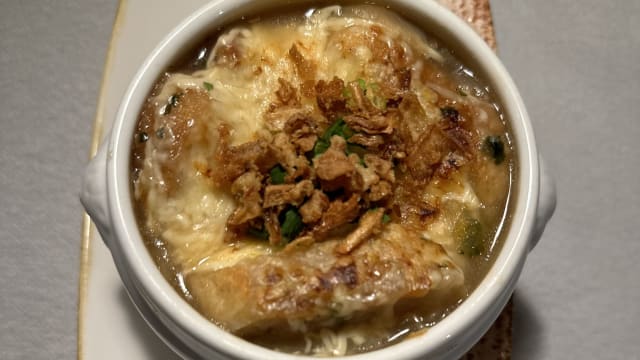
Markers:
point(192, 221)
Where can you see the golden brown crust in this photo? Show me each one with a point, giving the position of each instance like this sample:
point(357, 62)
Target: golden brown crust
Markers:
point(314, 285)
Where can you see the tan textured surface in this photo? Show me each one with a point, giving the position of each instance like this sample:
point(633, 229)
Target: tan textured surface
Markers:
point(496, 343)
point(477, 13)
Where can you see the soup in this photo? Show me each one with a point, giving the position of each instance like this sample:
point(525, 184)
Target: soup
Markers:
point(323, 182)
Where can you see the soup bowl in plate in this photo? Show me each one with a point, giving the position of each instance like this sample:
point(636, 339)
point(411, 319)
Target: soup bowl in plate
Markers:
point(107, 197)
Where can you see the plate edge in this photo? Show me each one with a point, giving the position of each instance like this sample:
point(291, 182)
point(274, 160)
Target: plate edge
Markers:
point(88, 230)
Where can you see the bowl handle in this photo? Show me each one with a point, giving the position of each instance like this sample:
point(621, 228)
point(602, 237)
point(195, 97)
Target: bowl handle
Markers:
point(546, 203)
point(94, 192)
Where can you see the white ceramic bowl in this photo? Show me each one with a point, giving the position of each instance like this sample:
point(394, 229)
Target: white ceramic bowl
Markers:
point(107, 198)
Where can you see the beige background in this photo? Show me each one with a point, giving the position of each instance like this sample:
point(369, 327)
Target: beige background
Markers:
point(576, 63)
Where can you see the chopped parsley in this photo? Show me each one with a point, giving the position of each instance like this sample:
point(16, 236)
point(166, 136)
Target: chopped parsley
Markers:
point(207, 85)
point(277, 175)
point(259, 233)
point(340, 128)
point(468, 232)
point(386, 219)
point(372, 92)
point(379, 102)
point(320, 147)
point(356, 149)
point(292, 225)
point(347, 95)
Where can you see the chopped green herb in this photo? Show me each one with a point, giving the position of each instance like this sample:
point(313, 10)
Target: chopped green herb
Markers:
point(160, 133)
point(450, 114)
point(468, 232)
point(379, 102)
point(386, 219)
point(372, 92)
point(494, 146)
point(292, 225)
point(346, 93)
point(461, 91)
point(277, 175)
point(208, 86)
point(259, 233)
point(340, 128)
point(362, 84)
point(143, 136)
point(320, 147)
point(356, 149)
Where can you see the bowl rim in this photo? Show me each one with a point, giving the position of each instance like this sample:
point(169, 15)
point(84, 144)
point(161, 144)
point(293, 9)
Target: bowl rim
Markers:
point(132, 257)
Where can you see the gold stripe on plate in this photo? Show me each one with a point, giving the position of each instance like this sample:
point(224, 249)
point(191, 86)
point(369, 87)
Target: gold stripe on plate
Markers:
point(88, 231)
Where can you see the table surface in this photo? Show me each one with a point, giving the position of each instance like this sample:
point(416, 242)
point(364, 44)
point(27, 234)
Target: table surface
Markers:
point(576, 65)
